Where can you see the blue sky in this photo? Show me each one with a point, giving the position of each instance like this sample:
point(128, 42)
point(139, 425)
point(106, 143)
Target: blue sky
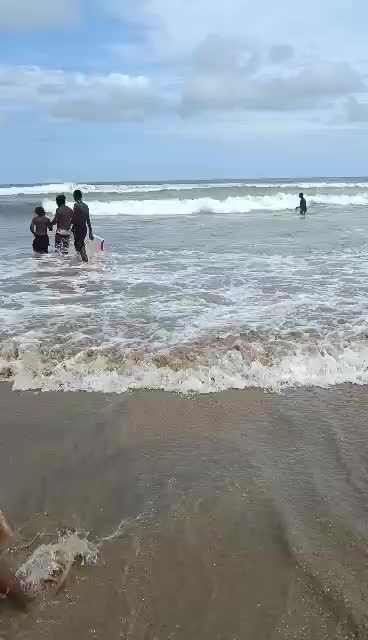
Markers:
point(166, 89)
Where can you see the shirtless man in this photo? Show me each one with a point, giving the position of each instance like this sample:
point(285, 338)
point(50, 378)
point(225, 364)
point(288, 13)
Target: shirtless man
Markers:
point(40, 225)
point(80, 222)
point(63, 221)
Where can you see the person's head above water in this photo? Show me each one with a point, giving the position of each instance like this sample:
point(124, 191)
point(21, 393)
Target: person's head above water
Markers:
point(60, 200)
point(301, 195)
point(77, 195)
point(40, 211)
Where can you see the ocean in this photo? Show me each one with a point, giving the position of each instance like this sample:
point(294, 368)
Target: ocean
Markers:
point(219, 511)
point(203, 286)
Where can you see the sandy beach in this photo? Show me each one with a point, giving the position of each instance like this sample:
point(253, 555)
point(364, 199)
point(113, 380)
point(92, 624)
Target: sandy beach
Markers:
point(236, 515)
point(183, 320)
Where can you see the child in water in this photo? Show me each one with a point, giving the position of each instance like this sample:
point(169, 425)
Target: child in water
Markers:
point(40, 225)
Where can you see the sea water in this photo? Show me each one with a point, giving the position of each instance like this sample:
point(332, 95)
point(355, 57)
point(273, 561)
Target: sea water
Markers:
point(202, 286)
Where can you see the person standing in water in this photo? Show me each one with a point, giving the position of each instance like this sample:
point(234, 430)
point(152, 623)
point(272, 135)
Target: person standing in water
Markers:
point(40, 225)
point(303, 205)
point(63, 221)
point(80, 222)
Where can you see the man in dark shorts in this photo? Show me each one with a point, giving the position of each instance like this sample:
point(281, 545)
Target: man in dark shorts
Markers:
point(80, 222)
point(63, 221)
point(40, 225)
point(303, 204)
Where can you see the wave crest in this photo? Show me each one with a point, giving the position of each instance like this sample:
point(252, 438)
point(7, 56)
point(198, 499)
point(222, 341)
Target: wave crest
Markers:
point(174, 206)
point(68, 187)
point(206, 367)
point(116, 188)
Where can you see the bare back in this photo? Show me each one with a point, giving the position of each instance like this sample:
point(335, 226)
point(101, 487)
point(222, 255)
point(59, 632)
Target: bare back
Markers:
point(41, 225)
point(63, 218)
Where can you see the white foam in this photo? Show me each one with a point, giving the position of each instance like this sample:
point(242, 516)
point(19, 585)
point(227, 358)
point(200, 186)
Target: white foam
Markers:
point(309, 363)
point(174, 206)
point(42, 189)
point(68, 187)
point(311, 185)
point(49, 560)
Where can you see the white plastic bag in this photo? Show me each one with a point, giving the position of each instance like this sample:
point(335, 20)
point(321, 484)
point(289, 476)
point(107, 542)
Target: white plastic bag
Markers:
point(94, 247)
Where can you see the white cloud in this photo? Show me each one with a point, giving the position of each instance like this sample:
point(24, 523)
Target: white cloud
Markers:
point(247, 57)
point(80, 96)
point(219, 54)
point(281, 53)
point(108, 98)
point(356, 112)
point(249, 85)
point(256, 86)
point(21, 15)
point(252, 55)
point(175, 27)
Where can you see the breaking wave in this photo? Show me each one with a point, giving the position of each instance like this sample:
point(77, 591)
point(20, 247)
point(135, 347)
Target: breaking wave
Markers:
point(68, 187)
point(220, 364)
point(174, 206)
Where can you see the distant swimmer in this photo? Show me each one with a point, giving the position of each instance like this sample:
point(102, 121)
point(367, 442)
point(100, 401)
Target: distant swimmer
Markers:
point(303, 205)
point(80, 222)
point(40, 225)
point(63, 221)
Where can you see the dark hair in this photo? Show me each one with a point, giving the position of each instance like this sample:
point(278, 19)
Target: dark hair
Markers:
point(40, 211)
point(60, 200)
point(301, 195)
point(77, 195)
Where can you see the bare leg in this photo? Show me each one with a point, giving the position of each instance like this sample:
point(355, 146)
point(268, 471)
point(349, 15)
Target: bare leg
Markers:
point(83, 253)
point(6, 532)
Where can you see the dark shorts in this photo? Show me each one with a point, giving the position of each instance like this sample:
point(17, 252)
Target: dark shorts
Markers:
point(62, 243)
point(79, 238)
point(41, 244)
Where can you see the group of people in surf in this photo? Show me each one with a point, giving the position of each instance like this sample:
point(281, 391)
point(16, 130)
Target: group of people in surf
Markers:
point(76, 221)
point(68, 221)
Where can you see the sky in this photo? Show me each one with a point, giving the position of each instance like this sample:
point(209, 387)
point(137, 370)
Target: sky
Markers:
point(182, 89)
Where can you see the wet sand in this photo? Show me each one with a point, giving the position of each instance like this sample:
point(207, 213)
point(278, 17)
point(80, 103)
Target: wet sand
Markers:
point(232, 516)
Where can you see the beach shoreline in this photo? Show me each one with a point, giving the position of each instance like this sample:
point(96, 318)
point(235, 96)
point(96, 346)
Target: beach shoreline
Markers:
point(232, 515)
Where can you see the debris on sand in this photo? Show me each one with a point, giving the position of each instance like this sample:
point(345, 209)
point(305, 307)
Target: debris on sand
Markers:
point(50, 564)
